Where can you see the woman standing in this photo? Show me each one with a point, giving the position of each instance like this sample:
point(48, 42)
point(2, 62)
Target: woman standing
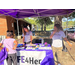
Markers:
point(11, 45)
point(57, 35)
point(27, 36)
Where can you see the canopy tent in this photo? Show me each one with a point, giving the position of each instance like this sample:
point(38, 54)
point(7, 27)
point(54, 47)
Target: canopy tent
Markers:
point(23, 13)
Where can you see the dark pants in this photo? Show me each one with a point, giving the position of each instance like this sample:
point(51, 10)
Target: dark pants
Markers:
point(33, 33)
point(12, 58)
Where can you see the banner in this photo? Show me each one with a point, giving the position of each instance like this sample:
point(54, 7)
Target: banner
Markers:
point(29, 57)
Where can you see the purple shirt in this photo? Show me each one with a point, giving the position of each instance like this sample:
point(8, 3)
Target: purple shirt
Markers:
point(9, 43)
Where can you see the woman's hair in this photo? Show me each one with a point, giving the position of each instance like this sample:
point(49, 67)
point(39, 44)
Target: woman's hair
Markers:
point(9, 33)
point(58, 26)
point(24, 32)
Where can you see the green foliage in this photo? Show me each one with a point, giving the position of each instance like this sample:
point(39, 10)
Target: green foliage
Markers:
point(73, 14)
point(39, 21)
point(69, 23)
point(31, 20)
point(49, 24)
point(46, 20)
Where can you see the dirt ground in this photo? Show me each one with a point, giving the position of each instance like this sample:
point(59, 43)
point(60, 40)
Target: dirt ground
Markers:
point(68, 57)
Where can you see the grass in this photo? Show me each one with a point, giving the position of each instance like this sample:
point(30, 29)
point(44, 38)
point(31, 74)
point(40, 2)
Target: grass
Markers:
point(46, 29)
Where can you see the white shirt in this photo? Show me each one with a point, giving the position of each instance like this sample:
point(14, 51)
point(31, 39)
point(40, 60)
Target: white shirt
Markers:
point(27, 36)
point(33, 29)
point(57, 39)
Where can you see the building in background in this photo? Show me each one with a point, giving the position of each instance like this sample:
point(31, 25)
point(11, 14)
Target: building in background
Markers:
point(9, 23)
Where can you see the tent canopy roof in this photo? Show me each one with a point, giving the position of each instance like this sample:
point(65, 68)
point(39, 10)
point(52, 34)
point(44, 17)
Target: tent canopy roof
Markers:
point(23, 13)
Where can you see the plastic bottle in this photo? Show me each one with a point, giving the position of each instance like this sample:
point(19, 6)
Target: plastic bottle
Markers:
point(42, 41)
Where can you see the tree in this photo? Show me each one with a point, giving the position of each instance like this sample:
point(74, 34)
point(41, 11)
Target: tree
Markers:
point(30, 20)
point(40, 21)
point(44, 21)
point(73, 15)
point(58, 20)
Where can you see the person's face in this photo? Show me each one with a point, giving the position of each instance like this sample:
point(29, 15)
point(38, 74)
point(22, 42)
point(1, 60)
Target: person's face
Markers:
point(25, 29)
point(55, 28)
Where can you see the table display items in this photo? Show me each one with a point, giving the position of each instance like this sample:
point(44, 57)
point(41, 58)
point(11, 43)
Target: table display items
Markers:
point(46, 44)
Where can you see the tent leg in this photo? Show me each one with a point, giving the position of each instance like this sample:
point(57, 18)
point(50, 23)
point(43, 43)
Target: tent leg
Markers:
point(66, 33)
point(18, 31)
point(66, 26)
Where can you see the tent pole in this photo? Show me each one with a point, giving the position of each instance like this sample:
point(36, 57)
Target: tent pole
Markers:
point(66, 26)
point(18, 31)
point(66, 31)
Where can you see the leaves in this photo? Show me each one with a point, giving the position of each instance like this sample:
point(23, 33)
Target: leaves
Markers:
point(31, 20)
point(44, 21)
point(41, 20)
point(73, 14)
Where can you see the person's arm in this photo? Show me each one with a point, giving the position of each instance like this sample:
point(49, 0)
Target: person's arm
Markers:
point(64, 37)
point(68, 42)
point(52, 34)
point(31, 39)
point(23, 39)
point(15, 44)
point(1, 46)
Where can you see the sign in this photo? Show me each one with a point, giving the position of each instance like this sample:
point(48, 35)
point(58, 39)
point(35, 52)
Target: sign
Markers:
point(29, 57)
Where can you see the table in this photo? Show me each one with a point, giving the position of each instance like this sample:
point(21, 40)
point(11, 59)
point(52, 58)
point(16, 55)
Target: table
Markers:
point(29, 56)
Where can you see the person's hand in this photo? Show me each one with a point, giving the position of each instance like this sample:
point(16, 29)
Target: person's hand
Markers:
point(31, 43)
point(23, 43)
point(1, 48)
point(7, 49)
point(14, 48)
point(54, 32)
point(70, 44)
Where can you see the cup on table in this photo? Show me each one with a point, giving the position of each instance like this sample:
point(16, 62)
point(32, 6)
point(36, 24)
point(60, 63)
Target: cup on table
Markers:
point(46, 44)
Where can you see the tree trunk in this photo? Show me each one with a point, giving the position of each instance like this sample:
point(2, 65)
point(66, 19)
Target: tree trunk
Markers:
point(44, 26)
point(41, 27)
point(58, 20)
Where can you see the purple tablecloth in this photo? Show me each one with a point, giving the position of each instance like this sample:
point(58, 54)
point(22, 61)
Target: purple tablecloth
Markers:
point(48, 59)
point(3, 56)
